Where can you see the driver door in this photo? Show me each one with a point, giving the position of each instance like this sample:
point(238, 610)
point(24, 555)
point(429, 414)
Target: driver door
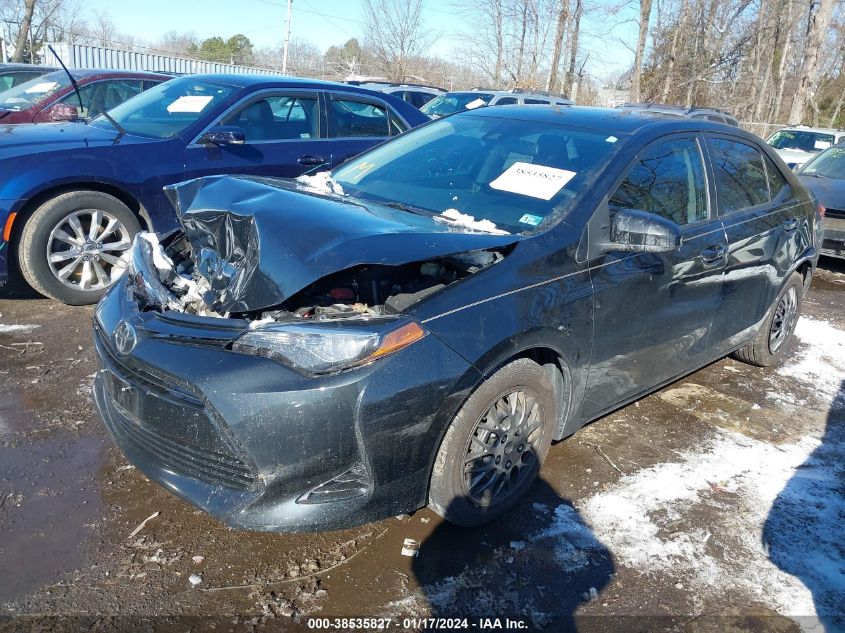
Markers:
point(654, 310)
point(284, 132)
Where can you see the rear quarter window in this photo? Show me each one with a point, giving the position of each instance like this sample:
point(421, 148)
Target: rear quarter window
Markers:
point(740, 174)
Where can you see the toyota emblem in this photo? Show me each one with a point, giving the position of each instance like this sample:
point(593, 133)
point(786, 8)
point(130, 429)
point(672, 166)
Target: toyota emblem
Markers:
point(125, 338)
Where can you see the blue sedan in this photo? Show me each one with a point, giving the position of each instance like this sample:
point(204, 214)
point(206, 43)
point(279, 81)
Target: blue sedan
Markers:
point(72, 196)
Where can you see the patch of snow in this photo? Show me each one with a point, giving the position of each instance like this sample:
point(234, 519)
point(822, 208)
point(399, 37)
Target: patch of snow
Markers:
point(21, 327)
point(321, 182)
point(822, 363)
point(456, 218)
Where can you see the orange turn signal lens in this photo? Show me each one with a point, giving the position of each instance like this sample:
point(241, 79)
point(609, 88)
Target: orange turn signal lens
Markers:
point(7, 230)
point(397, 339)
point(822, 210)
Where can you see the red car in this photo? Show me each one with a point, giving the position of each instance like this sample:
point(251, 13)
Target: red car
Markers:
point(51, 97)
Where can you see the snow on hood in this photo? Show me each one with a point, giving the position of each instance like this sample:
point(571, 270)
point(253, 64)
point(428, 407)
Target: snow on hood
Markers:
point(258, 241)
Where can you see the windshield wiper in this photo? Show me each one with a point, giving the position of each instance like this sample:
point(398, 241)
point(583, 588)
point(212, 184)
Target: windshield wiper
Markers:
point(406, 207)
point(116, 125)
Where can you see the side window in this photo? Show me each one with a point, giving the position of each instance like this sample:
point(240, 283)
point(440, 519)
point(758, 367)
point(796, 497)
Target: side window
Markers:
point(278, 118)
point(358, 118)
point(506, 101)
point(86, 94)
point(740, 175)
point(418, 99)
point(667, 179)
point(778, 186)
point(536, 102)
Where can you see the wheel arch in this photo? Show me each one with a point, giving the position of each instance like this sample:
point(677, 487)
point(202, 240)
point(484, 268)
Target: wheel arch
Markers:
point(33, 202)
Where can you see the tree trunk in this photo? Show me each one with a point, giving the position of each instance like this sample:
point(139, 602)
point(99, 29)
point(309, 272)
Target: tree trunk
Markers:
point(23, 34)
point(573, 46)
point(500, 43)
point(645, 13)
point(560, 32)
point(817, 25)
point(673, 53)
point(784, 55)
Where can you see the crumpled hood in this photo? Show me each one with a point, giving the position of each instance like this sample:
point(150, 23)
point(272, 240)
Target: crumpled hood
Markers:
point(829, 191)
point(258, 241)
point(32, 138)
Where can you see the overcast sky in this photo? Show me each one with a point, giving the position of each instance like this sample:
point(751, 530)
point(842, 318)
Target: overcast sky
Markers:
point(328, 22)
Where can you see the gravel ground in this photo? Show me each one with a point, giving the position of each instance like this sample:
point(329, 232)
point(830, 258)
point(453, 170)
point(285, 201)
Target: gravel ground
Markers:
point(714, 504)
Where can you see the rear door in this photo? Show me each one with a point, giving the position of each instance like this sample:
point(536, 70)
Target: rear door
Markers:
point(654, 311)
point(285, 137)
point(766, 227)
point(357, 122)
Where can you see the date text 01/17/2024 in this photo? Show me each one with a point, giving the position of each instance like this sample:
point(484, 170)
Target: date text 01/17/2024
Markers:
point(417, 624)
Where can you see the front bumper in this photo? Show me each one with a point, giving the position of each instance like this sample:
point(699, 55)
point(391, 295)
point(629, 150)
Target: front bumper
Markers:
point(260, 446)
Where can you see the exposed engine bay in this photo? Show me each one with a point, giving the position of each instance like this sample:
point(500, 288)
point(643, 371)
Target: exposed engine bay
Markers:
point(358, 292)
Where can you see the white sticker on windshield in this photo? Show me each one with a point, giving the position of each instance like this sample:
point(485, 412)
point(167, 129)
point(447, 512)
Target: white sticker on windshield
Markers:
point(475, 103)
point(537, 181)
point(189, 103)
point(821, 144)
point(44, 86)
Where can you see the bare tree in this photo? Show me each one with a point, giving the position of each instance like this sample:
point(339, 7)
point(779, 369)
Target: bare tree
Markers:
point(645, 14)
point(818, 22)
point(24, 32)
point(394, 31)
point(557, 51)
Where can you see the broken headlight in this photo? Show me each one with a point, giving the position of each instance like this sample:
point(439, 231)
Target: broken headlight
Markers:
point(322, 348)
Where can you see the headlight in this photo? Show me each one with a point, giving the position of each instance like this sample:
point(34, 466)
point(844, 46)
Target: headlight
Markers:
point(322, 348)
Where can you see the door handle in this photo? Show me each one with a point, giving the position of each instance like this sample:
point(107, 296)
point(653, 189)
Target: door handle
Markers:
point(713, 254)
point(310, 160)
point(790, 225)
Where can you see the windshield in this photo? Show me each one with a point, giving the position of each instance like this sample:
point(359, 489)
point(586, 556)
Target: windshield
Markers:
point(800, 140)
point(453, 102)
point(830, 164)
point(25, 95)
point(168, 109)
point(513, 173)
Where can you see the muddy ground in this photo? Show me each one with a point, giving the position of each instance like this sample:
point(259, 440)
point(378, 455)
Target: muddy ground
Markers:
point(713, 504)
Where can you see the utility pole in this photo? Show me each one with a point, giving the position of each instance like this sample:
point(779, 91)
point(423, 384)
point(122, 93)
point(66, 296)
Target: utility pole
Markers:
point(287, 41)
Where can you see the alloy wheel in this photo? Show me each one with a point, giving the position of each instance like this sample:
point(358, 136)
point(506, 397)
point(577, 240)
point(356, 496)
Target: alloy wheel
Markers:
point(783, 319)
point(502, 448)
point(84, 249)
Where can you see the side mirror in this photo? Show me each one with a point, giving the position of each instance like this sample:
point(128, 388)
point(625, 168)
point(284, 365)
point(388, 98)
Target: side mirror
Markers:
point(62, 112)
point(642, 232)
point(223, 135)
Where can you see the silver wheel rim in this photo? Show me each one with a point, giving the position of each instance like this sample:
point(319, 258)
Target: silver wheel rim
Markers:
point(84, 249)
point(783, 319)
point(501, 452)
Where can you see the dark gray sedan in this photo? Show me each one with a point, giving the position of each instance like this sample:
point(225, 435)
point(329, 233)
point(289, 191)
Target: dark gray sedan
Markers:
point(824, 175)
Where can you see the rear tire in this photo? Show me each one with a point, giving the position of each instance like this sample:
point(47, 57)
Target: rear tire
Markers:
point(495, 446)
point(769, 346)
point(70, 246)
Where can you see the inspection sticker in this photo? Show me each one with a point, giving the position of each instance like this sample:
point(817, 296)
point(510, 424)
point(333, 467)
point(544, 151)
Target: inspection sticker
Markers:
point(537, 181)
point(190, 103)
point(533, 220)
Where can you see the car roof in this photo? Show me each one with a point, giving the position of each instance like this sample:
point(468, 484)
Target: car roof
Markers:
point(606, 119)
point(13, 67)
point(86, 73)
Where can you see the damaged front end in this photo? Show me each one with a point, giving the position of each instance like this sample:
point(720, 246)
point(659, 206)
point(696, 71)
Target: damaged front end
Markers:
point(284, 261)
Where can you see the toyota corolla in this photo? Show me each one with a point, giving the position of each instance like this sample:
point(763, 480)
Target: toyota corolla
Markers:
point(419, 325)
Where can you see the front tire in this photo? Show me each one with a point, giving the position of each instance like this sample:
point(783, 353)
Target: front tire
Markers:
point(70, 246)
point(769, 346)
point(495, 446)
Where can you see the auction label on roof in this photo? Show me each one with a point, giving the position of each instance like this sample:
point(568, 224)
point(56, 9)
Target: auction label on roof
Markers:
point(190, 103)
point(537, 181)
